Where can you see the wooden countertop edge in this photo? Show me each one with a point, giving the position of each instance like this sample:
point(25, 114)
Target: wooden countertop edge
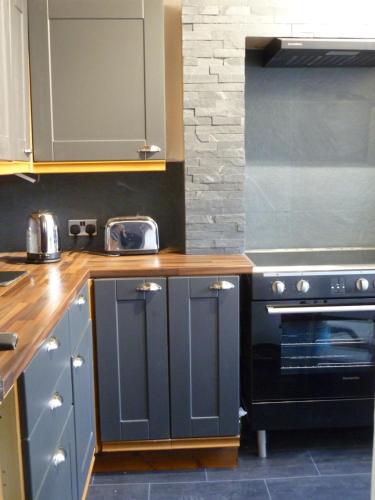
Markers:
point(13, 363)
point(26, 355)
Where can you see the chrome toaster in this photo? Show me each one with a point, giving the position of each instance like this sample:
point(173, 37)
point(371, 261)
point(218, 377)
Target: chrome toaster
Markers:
point(131, 235)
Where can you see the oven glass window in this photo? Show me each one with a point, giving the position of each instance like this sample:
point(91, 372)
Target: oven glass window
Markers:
point(323, 342)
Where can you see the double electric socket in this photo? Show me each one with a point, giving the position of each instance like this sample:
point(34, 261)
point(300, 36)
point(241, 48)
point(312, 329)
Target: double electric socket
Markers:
point(74, 224)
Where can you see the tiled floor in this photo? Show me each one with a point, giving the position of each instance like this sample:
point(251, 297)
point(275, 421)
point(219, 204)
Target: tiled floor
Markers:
point(302, 465)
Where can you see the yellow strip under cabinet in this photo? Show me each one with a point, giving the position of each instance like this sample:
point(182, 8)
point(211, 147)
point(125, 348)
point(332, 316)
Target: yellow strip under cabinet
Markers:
point(79, 167)
point(15, 167)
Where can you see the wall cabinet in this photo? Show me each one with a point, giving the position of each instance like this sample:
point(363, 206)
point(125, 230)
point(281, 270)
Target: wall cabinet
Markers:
point(14, 81)
point(168, 370)
point(97, 79)
point(57, 411)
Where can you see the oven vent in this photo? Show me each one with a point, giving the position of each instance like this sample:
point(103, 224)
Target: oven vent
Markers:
point(319, 53)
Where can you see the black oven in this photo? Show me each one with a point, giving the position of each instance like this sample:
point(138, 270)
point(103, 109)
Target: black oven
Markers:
point(314, 350)
point(308, 356)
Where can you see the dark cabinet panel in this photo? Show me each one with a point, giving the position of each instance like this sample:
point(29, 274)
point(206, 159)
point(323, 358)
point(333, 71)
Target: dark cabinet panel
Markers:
point(83, 399)
point(132, 347)
point(97, 79)
point(204, 356)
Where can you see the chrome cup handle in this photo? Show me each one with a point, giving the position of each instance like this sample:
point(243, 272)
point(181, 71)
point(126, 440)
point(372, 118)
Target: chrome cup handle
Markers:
point(148, 287)
point(221, 285)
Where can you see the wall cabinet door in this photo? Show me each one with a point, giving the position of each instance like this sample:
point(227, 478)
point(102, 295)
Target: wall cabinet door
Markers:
point(5, 82)
point(132, 350)
point(83, 399)
point(204, 356)
point(97, 78)
point(14, 81)
point(20, 81)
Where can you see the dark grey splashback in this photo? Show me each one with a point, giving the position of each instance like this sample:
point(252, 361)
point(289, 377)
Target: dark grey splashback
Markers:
point(157, 194)
point(310, 156)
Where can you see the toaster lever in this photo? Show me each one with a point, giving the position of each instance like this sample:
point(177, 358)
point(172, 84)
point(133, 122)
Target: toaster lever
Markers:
point(148, 287)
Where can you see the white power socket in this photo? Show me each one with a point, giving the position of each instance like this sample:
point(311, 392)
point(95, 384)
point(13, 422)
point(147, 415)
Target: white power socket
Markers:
point(82, 224)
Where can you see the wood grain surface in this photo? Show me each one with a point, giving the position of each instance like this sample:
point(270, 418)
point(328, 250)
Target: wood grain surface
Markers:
point(34, 304)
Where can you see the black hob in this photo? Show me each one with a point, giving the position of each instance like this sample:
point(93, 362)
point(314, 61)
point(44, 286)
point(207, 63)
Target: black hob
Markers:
point(364, 258)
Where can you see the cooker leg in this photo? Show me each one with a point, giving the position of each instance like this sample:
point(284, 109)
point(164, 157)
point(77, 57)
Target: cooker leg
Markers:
point(262, 444)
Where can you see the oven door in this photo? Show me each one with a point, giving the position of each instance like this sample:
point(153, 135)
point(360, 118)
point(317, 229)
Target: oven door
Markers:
point(312, 350)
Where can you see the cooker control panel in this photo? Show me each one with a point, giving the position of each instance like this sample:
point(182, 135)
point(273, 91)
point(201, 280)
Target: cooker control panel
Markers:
point(313, 285)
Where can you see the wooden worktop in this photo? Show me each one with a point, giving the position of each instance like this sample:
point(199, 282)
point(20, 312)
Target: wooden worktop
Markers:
point(32, 306)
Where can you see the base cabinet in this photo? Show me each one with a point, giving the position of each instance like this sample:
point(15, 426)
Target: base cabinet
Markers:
point(84, 420)
point(132, 349)
point(57, 410)
point(204, 356)
point(168, 357)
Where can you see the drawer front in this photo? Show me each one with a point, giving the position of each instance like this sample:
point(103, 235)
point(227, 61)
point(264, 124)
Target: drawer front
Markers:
point(83, 406)
point(40, 377)
point(79, 315)
point(41, 444)
point(60, 482)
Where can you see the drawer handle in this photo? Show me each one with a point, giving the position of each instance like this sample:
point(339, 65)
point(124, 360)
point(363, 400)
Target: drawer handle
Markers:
point(148, 287)
point(81, 301)
point(55, 402)
point(149, 148)
point(53, 344)
point(78, 361)
point(222, 285)
point(59, 457)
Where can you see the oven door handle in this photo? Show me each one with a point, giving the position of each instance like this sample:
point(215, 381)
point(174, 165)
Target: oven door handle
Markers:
point(318, 309)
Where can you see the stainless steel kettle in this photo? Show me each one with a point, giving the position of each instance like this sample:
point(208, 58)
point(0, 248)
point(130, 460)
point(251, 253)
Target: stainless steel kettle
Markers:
point(42, 237)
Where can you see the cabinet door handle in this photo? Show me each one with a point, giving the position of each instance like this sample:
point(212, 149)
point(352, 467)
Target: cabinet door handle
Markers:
point(149, 148)
point(59, 457)
point(56, 401)
point(222, 285)
point(78, 361)
point(81, 301)
point(27, 151)
point(148, 287)
point(53, 344)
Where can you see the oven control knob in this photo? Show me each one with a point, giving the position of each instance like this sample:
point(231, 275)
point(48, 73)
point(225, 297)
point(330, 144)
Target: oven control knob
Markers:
point(303, 286)
point(362, 284)
point(278, 287)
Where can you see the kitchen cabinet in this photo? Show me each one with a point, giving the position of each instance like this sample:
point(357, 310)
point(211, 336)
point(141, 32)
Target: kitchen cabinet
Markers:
point(14, 81)
point(57, 410)
point(84, 419)
point(204, 356)
point(137, 329)
point(132, 350)
point(97, 80)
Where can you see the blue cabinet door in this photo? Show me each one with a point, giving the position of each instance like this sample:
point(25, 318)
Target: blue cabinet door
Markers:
point(83, 398)
point(204, 355)
point(132, 350)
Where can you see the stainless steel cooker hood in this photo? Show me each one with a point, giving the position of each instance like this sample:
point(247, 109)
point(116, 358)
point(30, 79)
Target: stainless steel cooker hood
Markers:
point(320, 53)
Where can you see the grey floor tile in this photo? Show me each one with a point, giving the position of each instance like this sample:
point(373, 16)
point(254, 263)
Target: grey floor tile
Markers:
point(151, 477)
point(321, 488)
point(118, 492)
point(278, 464)
point(227, 490)
point(342, 460)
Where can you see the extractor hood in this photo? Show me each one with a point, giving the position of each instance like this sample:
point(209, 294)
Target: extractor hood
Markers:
point(320, 53)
